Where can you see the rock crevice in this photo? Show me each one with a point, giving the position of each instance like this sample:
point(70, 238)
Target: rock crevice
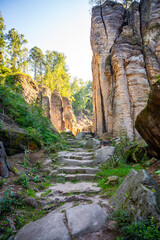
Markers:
point(124, 63)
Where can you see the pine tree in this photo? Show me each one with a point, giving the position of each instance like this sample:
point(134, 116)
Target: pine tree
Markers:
point(15, 44)
point(2, 40)
point(36, 56)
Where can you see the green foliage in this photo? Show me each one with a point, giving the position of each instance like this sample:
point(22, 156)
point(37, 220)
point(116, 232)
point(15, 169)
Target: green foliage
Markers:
point(82, 95)
point(122, 218)
point(36, 57)
point(2, 40)
point(8, 233)
point(116, 166)
point(30, 117)
point(138, 230)
point(31, 192)
point(9, 200)
point(126, 3)
point(22, 180)
point(46, 193)
point(15, 48)
point(36, 178)
point(1, 182)
point(158, 172)
point(56, 76)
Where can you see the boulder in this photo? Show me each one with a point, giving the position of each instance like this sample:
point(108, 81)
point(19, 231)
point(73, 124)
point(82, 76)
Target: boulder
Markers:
point(14, 138)
point(92, 143)
point(50, 227)
point(113, 180)
point(148, 120)
point(85, 219)
point(103, 155)
point(139, 195)
point(84, 135)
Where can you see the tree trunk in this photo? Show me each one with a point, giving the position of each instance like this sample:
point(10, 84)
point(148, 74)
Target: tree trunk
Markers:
point(5, 165)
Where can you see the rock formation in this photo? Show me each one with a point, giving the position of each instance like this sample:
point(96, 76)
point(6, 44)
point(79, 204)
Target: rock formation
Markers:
point(58, 110)
point(14, 138)
point(125, 47)
point(147, 122)
point(139, 195)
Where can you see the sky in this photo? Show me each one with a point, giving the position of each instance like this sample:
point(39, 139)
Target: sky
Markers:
point(62, 26)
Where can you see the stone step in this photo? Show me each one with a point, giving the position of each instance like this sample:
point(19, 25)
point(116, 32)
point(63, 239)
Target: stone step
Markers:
point(78, 157)
point(74, 147)
point(70, 162)
point(71, 170)
point(76, 150)
point(78, 177)
point(73, 144)
point(84, 154)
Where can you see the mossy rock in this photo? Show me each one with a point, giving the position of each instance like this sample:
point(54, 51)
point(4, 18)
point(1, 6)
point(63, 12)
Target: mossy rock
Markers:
point(16, 142)
point(136, 154)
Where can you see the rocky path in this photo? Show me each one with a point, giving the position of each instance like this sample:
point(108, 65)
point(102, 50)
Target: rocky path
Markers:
point(77, 209)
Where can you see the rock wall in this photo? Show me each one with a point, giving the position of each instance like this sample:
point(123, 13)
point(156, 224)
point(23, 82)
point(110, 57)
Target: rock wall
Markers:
point(126, 51)
point(58, 110)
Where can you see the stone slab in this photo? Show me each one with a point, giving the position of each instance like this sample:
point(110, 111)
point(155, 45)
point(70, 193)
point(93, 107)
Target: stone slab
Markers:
point(80, 187)
point(50, 227)
point(85, 219)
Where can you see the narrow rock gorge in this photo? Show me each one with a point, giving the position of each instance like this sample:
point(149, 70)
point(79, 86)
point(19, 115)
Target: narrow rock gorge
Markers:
point(126, 62)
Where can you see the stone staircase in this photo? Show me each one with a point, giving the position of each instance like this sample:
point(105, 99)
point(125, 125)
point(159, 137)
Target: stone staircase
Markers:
point(77, 163)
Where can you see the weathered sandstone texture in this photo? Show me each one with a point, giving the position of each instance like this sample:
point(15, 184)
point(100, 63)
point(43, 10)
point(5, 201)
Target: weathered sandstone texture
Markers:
point(139, 195)
point(148, 121)
point(126, 60)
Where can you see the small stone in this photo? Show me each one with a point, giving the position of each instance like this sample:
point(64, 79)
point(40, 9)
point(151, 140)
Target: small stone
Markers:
point(113, 180)
point(31, 202)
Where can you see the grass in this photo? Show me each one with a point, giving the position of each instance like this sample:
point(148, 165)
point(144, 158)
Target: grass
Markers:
point(116, 166)
point(46, 193)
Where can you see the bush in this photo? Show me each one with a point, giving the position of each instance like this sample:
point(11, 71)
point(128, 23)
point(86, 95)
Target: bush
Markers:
point(22, 180)
point(9, 200)
point(29, 117)
point(138, 230)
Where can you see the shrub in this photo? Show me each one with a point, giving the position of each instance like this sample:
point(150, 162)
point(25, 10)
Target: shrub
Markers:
point(137, 230)
point(22, 180)
point(9, 200)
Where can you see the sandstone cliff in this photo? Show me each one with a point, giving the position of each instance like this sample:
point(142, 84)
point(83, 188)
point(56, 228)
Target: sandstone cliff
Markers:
point(126, 52)
point(58, 110)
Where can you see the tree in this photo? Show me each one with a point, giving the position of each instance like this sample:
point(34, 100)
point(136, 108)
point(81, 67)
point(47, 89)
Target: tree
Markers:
point(82, 95)
point(15, 44)
point(56, 76)
point(2, 40)
point(126, 3)
point(36, 56)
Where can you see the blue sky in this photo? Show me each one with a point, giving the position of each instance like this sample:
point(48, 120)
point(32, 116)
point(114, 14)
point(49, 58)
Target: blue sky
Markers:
point(62, 26)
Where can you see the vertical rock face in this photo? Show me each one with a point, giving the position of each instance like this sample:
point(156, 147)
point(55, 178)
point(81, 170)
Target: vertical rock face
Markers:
point(68, 115)
point(121, 66)
point(58, 110)
point(150, 28)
